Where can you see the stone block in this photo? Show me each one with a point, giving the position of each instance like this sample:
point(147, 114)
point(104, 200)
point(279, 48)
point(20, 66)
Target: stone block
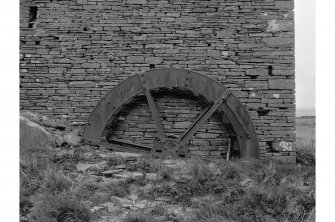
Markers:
point(159, 46)
point(91, 65)
point(257, 84)
point(224, 33)
point(153, 60)
point(284, 5)
point(281, 84)
point(136, 2)
point(135, 59)
point(283, 72)
point(213, 53)
point(82, 84)
point(257, 72)
point(278, 42)
point(280, 25)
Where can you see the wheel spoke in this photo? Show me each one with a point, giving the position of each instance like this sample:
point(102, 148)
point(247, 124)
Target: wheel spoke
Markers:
point(201, 119)
point(153, 109)
point(122, 145)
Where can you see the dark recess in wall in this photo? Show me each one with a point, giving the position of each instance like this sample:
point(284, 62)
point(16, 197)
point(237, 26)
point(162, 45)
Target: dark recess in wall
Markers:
point(262, 112)
point(32, 16)
point(270, 70)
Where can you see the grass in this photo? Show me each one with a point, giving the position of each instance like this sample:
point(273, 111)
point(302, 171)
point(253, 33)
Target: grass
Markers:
point(245, 191)
point(59, 208)
point(239, 190)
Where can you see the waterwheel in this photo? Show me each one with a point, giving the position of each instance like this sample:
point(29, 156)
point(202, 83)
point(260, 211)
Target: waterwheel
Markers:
point(157, 90)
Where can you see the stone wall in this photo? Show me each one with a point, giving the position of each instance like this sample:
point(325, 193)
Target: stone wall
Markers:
point(73, 51)
point(177, 111)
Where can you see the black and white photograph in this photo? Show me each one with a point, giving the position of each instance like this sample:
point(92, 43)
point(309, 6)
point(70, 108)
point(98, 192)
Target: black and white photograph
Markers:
point(165, 111)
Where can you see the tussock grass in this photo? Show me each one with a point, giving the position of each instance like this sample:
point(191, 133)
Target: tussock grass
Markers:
point(273, 192)
point(58, 208)
point(145, 164)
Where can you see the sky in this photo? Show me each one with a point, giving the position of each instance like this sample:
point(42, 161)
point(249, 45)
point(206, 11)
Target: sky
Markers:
point(305, 53)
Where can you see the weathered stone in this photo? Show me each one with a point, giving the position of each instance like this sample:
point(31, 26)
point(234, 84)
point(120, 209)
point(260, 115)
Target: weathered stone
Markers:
point(82, 84)
point(111, 172)
point(281, 84)
point(121, 202)
point(257, 72)
point(214, 53)
point(57, 124)
point(72, 139)
point(135, 59)
point(128, 156)
point(280, 25)
point(82, 167)
point(111, 207)
point(127, 175)
point(224, 33)
point(59, 140)
point(136, 2)
point(285, 5)
point(182, 125)
point(278, 42)
point(33, 137)
point(257, 85)
point(153, 60)
point(151, 176)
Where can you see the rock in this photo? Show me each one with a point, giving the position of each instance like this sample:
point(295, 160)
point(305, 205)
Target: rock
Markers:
point(59, 140)
point(33, 137)
point(31, 116)
point(126, 175)
point(111, 172)
point(182, 125)
point(60, 124)
point(285, 5)
point(281, 84)
point(151, 176)
point(257, 72)
point(82, 84)
point(84, 166)
point(135, 59)
point(136, 2)
point(96, 208)
point(128, 156)
point(278, 42)
point(72, 139)
point(247, 183)
point(121, 202)
point(141, 205)
point(280, 25)
point(110, 207)
point(153, 60)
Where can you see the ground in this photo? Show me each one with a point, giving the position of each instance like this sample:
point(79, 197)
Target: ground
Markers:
point(71, 181)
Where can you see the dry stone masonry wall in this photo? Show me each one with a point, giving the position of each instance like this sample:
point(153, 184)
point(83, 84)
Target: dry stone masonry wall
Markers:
point(73, 51)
